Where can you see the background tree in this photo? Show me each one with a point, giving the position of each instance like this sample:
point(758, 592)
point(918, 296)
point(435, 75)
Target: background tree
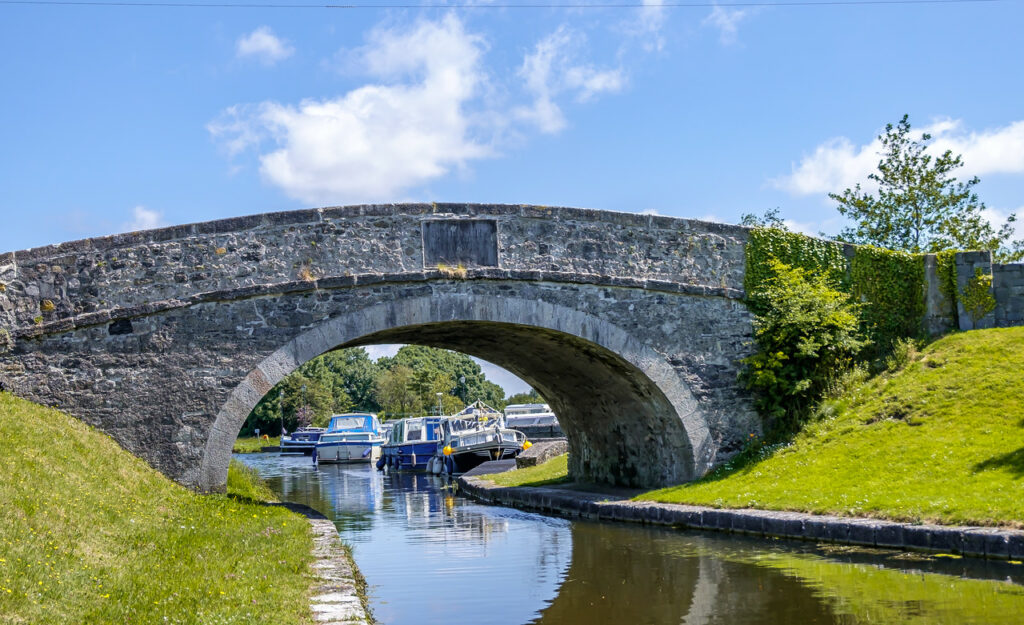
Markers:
point(396, 394)
point(529, 397)
point(470, 382)
point(920, 205)
point(356, 374)
point(770, 219)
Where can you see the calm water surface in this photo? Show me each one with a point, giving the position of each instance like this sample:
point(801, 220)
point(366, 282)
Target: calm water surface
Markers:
point(433, 557)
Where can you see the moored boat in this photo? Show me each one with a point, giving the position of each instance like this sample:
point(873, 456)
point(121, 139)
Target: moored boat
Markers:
point(529, 415)
point(412, 443)
point(476, 435)
point(301, 441)
point(353, 437)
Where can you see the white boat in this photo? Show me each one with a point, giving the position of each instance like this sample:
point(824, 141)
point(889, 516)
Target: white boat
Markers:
point(353, 437)
point(529, 415)
point(476, 435)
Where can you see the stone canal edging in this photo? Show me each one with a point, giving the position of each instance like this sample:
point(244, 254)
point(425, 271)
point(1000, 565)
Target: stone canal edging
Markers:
point(981, 542)
point(339, 589)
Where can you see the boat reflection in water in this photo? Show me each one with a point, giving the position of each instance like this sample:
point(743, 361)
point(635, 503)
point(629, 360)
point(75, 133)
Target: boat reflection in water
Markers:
point(431, 557)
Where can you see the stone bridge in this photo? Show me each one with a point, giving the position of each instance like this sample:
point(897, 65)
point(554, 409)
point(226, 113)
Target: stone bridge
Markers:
point(630, 325)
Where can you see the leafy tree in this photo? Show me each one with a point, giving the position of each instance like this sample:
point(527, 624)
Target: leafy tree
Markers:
point(396, 394)
point(770, 219)
point(529, 397)
point(920, 205)
point(807, 333)
point(358, 376)
point(470, 382)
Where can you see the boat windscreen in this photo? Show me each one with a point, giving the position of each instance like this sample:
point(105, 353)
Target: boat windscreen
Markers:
point(348, 423)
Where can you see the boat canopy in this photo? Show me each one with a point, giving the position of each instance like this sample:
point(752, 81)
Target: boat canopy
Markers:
point(354, 422)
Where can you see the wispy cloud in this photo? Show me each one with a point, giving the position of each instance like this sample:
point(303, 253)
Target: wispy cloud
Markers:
point(727, 22)
point(143, 219)
point(264, 46)
point(838, 163)
point(554, 67)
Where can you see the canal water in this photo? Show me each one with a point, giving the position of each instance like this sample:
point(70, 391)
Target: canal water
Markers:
point(431, 556)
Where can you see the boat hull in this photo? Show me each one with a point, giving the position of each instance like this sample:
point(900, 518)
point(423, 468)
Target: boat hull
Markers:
point(409, 456)
point(468, 458)
point(304, 448)
point(348, 452)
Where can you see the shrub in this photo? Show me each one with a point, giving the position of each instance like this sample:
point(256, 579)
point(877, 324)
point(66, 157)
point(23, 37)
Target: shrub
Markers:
point(807, 333)
point(977, 295)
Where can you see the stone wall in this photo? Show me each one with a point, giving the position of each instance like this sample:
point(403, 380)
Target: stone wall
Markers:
point(1008, 288)
point(632, 326)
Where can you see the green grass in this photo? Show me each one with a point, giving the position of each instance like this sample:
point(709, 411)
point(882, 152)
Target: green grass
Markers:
point(91, 534)
point(940, 441)
point(252, 445)
point(553, 471)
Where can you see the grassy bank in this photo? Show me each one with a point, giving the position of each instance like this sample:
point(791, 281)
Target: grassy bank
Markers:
point(91, 534)
point(553, 471)
point(941, 440)
point(252, 445)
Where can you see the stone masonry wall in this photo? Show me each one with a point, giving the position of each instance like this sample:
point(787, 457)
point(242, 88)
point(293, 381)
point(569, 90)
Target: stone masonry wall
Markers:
point(46, 285)
point(146, 335)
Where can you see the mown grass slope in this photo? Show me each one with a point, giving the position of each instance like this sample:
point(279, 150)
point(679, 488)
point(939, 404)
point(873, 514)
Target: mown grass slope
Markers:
point(553, 471)
point(91, 534)
point(941, 440)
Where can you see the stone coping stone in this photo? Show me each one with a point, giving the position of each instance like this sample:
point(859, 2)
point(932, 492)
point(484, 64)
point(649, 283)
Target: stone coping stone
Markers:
point(980, 542)
point(336, 599)
point(542, 451)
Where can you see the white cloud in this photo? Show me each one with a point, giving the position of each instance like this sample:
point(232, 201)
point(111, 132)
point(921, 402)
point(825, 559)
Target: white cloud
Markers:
point(551, 69)
point(726, 21)
point(263, 45)
point(646, 25)
point(143, 219)
point(838, 163)
point(380, 139)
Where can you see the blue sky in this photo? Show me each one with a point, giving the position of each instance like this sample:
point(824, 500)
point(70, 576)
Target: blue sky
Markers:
point(117, 118)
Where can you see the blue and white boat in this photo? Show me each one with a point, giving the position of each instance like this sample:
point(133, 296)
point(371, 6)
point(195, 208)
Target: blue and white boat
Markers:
point(301, 441)
point(413, 442)
point(353, 437)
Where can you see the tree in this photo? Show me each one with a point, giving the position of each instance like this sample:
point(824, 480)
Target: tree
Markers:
point(920, 206)
point(395, 392)
point(770, 219)
point(529, 397)
point(470, 382)
point(356, 374)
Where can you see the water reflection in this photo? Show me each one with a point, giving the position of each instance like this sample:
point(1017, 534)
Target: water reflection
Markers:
point(431, 556)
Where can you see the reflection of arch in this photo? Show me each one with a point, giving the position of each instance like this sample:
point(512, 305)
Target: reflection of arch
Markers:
point(629, 417)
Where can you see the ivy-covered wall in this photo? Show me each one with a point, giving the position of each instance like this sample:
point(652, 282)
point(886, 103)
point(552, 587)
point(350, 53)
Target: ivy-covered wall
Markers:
point(889, 285)
point(902, 295)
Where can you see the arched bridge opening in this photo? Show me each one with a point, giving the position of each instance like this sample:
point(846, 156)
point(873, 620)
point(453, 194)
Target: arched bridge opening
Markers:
point(629, 418)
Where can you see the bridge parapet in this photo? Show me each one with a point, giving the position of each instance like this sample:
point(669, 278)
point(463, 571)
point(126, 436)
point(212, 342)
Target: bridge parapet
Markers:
point(58, 287)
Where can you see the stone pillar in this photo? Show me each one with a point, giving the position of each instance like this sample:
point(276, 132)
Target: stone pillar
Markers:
point(939, 315)
point(966, 264)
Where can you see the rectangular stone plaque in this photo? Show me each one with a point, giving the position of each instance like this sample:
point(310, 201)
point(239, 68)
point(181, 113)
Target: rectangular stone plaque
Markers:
point(466, 242)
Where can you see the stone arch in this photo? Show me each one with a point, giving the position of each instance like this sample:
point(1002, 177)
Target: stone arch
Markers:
point(630, 417)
